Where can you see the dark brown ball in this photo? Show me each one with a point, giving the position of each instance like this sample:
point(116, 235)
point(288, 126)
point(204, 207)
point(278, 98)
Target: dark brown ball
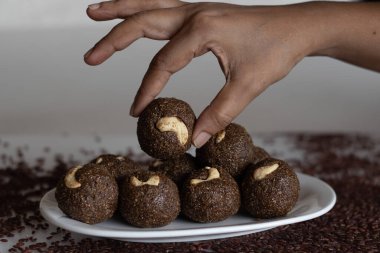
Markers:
point(165, 144)
point(88, 194)
point(149, 205)
point(231, 149)
point(259, 154)
point(176, 169)
point(210, 201)
point(270, 195)
point(118, 166)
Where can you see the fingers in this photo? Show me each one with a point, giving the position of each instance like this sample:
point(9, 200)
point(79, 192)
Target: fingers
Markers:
point(123, 8)
point(156, 24)
point(230, 102)
point(106, 10)
point(171, 58)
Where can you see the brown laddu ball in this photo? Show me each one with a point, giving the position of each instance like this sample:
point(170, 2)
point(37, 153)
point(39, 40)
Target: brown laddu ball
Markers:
point(210, 195)
point(88, 193)
point(270, 189)
point(231, 149)
point(149, 199)
point(177, 169)
point(117, 165)
point(259, 154)
point(165, 127)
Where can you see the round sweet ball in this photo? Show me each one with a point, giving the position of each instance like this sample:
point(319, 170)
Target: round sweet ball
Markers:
point(177, 169)
point(210, 195)
point(231, 149)
point(88, 193)
point(149, 199)
point(259, 154)
point(165, 127)
point(270, 189)
point(118, 166)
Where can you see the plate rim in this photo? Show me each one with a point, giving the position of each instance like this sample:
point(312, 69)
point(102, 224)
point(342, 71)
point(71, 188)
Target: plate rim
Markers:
point(190, 232)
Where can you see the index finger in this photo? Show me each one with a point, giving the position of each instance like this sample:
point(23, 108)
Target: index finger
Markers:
point(158, 24)
point(171, 58)
point(108, 10)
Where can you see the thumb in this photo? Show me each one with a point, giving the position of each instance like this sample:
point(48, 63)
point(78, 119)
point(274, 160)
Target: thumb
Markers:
point(227, 105)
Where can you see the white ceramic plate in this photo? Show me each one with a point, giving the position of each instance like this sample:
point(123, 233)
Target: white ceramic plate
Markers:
point(316, 199)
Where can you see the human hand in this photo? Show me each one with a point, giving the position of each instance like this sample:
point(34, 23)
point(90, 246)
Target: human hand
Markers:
point(255, 47)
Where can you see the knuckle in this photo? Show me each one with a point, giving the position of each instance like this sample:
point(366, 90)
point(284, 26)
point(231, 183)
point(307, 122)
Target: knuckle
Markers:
point(117, 46)
point(159, 62)
point(138, 17)
point(220, 119)
point(154, 4)
point(202, 23)
point(116, 37)
point(146, 92)
point(255, 87)
point(251, 83)
point(201, 18)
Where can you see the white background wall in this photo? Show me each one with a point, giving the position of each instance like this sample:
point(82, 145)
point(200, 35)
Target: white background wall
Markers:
point(45, 87)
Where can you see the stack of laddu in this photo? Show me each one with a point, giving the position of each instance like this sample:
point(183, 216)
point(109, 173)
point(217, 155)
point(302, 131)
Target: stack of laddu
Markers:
point(228, 174)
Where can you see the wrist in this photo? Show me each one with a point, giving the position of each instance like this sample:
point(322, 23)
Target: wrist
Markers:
point(321, 27)
point(311, 28)
point(338, 28)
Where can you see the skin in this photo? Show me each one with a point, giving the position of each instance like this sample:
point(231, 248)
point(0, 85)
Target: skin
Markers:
point(255, 46)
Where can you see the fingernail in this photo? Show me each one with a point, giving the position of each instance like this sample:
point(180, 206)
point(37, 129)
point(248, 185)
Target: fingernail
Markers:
point(94, 6)
point(201, 139)
point(131, 112)
point(88, 53)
